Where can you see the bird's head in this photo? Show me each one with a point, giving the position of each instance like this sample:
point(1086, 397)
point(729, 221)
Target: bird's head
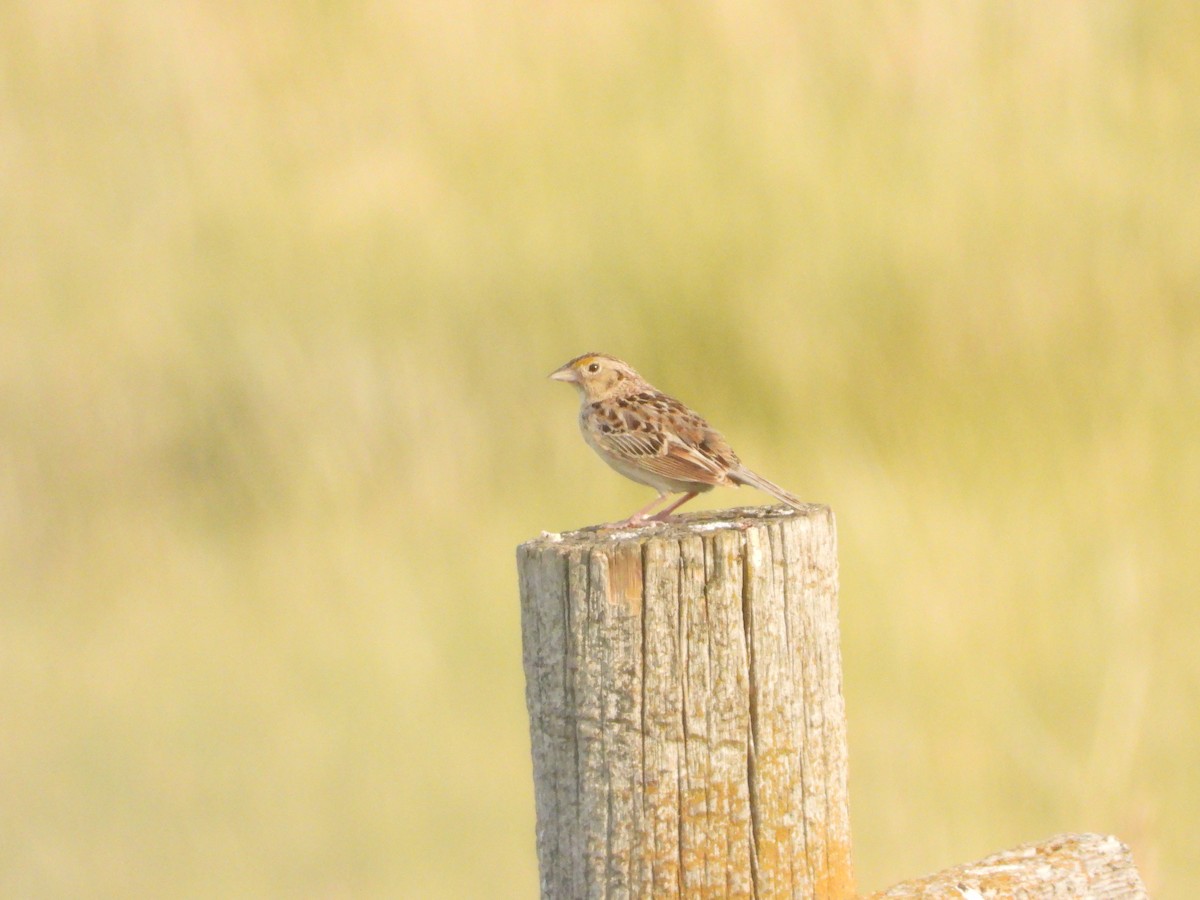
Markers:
point(598, 375)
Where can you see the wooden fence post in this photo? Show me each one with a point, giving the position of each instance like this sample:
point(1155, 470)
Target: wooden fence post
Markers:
point(1092, 866)
point(685, 706)
point(684, 685)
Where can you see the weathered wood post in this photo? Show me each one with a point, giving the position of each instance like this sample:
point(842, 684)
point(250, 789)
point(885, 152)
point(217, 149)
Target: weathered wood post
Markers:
point(1091, 866)
point(684, 688)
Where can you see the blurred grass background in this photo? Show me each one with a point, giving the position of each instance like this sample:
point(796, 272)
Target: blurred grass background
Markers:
point(279, 288)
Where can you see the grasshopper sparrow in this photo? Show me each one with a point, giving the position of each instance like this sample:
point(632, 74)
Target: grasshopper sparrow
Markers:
point(652, 438)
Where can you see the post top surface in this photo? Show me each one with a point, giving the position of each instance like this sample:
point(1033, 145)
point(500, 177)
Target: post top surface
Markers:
point(737, 518)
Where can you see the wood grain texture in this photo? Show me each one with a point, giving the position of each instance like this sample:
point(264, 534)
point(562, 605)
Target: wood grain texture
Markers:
point(1090, 866)
point(684, 691)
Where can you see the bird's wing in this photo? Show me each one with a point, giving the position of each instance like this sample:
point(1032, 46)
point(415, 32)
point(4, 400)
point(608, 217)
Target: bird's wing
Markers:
point(689, 449)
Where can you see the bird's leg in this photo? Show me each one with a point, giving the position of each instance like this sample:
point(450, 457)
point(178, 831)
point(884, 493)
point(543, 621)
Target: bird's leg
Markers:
point(642, 514)
point(665, 514)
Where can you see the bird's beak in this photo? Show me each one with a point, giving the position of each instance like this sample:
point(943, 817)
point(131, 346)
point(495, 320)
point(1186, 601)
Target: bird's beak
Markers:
point(566, 373)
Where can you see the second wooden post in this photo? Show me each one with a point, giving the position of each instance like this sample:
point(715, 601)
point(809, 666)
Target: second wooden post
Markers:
point(686, 716)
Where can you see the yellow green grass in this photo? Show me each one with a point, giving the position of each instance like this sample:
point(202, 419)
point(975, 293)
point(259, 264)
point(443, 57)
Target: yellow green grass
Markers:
point(279, 287)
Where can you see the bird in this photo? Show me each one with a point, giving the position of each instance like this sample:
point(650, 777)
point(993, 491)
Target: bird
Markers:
point(652, 438)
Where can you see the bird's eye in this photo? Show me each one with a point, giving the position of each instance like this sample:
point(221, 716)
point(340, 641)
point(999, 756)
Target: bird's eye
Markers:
point(594, 368)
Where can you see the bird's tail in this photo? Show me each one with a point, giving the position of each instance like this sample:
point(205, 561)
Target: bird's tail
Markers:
point(745, 476)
